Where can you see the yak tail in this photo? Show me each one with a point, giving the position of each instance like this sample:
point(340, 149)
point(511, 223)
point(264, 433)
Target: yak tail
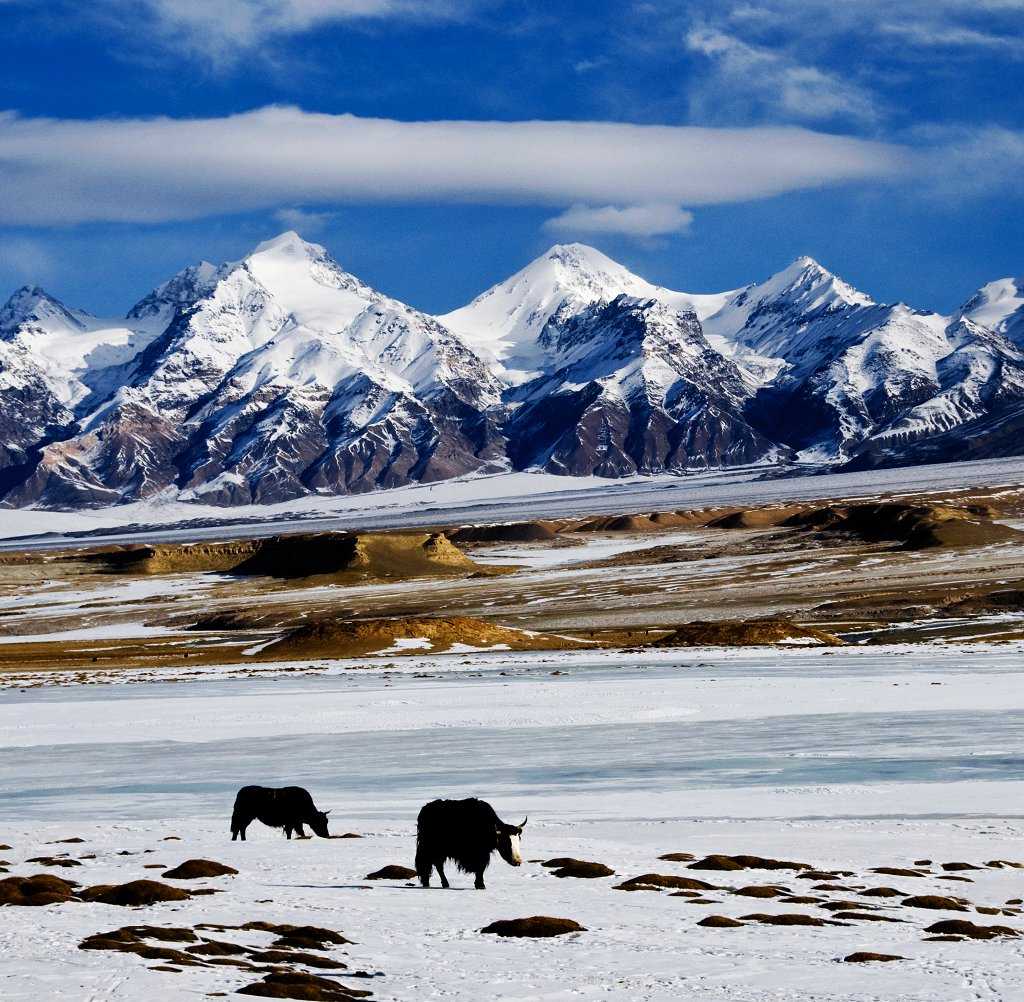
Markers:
point(424, 862)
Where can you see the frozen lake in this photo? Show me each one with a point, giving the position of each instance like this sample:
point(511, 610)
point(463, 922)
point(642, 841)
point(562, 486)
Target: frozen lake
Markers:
point(804, 733)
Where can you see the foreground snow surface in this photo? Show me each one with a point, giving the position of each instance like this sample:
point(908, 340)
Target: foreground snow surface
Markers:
point(842, 759)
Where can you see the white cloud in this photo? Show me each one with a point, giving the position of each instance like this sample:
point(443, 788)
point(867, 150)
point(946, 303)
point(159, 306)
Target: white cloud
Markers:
point(222, 30)
point(155, 170)
point(945, 36)
point(963, 162)
point(752, 80)
point(648, 220)
point(302, 220)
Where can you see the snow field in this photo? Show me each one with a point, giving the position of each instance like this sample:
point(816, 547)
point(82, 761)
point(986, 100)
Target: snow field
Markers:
point(848, 759)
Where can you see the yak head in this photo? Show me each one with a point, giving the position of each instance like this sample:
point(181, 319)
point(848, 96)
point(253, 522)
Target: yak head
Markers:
point(508, 842)
point(318, 822)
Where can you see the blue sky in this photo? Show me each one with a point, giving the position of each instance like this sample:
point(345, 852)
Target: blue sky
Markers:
point(436, 146)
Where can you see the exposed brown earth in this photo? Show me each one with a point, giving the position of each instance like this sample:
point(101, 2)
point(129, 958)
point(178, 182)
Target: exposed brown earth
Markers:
point(196, 869)
point(303, 555)
point(392, 872)
point(754, 632)
point(859, 571)
point(534, 926)
point(355, 639)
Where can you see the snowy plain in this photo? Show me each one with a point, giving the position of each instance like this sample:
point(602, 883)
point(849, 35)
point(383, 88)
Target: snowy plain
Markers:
point(846, 759)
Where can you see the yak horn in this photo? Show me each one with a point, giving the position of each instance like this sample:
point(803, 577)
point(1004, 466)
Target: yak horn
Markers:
point(523, 825)
point(328, 812)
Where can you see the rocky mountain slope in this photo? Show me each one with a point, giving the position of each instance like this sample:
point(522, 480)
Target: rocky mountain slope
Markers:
point(281, 375)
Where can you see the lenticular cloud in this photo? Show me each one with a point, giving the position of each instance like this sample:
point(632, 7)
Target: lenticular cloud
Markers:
point(157, 170)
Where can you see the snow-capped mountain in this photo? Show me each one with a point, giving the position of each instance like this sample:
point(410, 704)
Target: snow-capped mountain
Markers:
point(271, 378)
point(637, 389)
point(282, 375)
point(853, 376)
point(506, 324)
point(998, 306)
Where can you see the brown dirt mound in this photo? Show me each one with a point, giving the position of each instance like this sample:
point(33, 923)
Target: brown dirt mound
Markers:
point(863, 957)
point(35, 891)
point(307, 937)
point(896, 871)
point(215, 948)
point(616, 523)
point(934, 901)
point(719, 922)
point(510, 532)
point(583, 869)
point(794, 918)
point(166, 934)
point(535, 926)
point(665, 880)
point(135, 892)
point(340, 555)
point(296, 957)
point(228, 621)
point(745, 633)
point(918, 527)
point(302, 986)
point(746, 862)
point(761, 891)
point(392, 872)
point(676, 519)
point(867, 917)
point(367, 636)
point(953, 867)
point(678, 857)
point(716, 863)
point(754, 518)
point(882, 892)
point(962, 927)
point(196, 869)
point(767, 863)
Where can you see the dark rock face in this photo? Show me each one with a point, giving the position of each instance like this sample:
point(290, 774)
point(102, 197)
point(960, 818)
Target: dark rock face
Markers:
point(640, 391)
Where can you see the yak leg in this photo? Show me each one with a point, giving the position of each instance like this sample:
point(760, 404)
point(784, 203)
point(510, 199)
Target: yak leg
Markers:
point(440, 872)
point(299, 831)
point(480, 880)
point(238, 826)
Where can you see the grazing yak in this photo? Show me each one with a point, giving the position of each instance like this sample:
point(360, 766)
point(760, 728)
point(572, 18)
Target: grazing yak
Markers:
point(289, 808)
point(465, 832)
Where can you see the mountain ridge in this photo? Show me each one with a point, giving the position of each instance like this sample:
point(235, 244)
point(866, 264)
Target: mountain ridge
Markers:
point(282, 375)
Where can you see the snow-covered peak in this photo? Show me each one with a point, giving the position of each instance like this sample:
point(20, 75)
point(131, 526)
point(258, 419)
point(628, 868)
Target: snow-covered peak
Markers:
point(998, 306)
point(307, 283)
point(504, 324)
point(176, 294)
point(34, 306)
point(766, 317)
point(289, 244)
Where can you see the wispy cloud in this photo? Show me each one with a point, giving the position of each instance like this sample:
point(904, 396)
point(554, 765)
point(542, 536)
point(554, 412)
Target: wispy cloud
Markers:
point(931, 35)
point(756, 82)
point(221, 31)
point(156, 170)
point(633, 220)
point(970, 161)
point(302, 220)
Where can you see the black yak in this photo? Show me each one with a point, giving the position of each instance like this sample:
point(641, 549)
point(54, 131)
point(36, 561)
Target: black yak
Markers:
point(289, 808)
point(465, 832)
